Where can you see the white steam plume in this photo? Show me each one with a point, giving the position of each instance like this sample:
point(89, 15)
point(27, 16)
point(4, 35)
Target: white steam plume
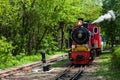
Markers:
point(108, 16)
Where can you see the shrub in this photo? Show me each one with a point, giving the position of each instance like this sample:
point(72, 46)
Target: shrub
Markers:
point(49, 45)
point(116, 58)
point(5, 51)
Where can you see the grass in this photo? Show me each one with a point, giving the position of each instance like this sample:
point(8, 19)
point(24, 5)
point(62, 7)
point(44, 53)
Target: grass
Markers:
point(105, 67)
point(60, 63)
point(22, 59)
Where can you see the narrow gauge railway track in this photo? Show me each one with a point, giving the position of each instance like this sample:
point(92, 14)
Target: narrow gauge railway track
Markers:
point(62, 74)
point(71, 73)
point(77, 75)
point(12, 71)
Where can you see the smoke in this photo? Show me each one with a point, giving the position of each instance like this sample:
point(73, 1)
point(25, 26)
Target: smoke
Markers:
point(108, 16)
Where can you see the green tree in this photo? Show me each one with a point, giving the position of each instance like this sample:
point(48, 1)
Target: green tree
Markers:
point(27, 23)
point(111, 29)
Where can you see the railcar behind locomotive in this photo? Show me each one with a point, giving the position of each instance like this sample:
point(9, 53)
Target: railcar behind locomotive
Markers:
point(85, 43)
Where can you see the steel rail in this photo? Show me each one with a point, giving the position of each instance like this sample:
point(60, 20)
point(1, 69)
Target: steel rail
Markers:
point(62, 74)
point(77, 75)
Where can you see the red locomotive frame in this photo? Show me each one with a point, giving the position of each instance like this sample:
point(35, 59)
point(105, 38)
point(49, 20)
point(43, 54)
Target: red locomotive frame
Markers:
point(84, 52)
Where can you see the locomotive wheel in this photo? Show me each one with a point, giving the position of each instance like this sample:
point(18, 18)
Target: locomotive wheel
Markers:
point(98, 52)
point(92, 54)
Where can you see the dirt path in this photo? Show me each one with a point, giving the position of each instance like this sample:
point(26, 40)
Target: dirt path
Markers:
point(90, 70)
point(87, 75)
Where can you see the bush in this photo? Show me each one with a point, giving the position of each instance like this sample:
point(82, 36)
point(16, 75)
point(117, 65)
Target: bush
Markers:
point(116, 58)
point(5, 52)
point(49, 45)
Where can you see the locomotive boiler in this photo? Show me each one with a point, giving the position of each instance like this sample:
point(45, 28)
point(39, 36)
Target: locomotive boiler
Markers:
point(85, 43)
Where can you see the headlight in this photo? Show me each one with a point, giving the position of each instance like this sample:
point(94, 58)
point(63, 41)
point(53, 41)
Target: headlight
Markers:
point(73, 46)
point(87, 46)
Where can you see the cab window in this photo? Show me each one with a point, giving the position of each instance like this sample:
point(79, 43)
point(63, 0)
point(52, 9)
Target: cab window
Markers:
point(95, 30)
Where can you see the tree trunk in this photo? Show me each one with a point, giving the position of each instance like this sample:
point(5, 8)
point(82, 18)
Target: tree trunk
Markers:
point(62, 38)
point(40, 40)
point(23, 26)
point(29, 45)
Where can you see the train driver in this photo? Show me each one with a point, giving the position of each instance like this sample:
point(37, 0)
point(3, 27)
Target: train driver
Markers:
point(79, 23)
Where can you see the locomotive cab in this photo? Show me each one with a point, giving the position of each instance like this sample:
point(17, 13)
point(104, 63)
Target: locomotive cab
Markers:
point(95, 38)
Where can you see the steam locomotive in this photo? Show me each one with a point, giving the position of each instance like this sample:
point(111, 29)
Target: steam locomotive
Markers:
point(85, 43)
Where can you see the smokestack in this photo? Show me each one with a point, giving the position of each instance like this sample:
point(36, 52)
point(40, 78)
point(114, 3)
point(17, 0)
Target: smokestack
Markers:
point(108, 16)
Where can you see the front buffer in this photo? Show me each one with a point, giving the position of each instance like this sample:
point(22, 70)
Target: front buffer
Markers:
point(79, 57)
